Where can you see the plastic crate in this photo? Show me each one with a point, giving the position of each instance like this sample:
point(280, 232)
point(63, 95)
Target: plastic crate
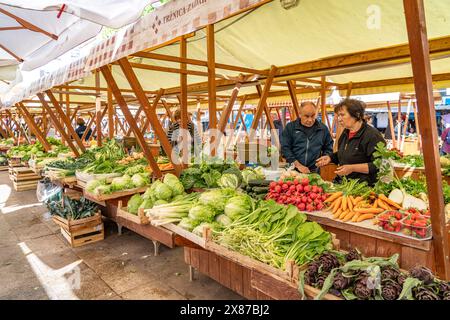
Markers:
point(390, 222)
point(410, 228)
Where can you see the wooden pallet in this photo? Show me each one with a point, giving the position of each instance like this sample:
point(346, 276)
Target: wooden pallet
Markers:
point(84, 236)
point(140, 218)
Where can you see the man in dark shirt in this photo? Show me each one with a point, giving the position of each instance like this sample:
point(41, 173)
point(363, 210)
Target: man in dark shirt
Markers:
point(304, 140)
point(82, 128)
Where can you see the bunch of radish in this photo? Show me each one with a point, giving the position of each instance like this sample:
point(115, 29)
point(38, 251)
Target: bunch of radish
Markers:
point(300, 193)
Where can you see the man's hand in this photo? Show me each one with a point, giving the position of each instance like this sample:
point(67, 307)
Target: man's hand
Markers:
point(301, 167)
point(323, 161)
point(344, 170)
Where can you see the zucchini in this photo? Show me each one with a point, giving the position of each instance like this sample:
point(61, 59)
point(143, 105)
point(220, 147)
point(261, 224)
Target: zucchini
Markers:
point(259, 183)
point(260, 197)
point(259, 190)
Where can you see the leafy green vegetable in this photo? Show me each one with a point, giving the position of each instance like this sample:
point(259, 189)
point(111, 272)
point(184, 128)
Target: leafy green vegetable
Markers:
point(187, 224)
point(163, 192)
point(122, 183)
point(229, 180)
point(134, 203)
point(238, 206)
point(202, 213)
point(140, 180)
point(146, 204)
point(216, 198)
point(92, 184)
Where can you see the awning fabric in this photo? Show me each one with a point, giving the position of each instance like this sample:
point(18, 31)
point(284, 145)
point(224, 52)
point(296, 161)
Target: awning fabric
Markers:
point(268, 35)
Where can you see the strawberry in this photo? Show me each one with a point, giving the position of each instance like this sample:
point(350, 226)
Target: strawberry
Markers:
point(398, 215)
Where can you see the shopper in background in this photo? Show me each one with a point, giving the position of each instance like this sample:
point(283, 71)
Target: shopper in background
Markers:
point(445, 137)
point(82, 128)
point(356, 145)
point(173, 133)
point(306, 139)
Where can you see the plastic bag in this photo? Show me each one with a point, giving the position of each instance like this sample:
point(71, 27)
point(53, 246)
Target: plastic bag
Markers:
point(47, 191)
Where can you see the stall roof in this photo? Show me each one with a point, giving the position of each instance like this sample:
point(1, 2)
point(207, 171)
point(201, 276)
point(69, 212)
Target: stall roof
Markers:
point(270, 35)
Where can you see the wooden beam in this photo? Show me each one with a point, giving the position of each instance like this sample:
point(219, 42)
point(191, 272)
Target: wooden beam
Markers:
point(24, 23)
point(11, 53)
point(416, 121)
point(212, 98)
point(33, 127)
point(98, 118)
point(323, 100)
point(12, 28)
point(65, 119)
point(122, 128)
point(168, 69)
point(268, 115)
point(184, 103)
point(293, 93)
point(169, 113)
point(75, 112)
point(150, 112)
point(136, 118)
point(225, 116)
point(241, 106)
point(391, 125)
point(420, 61)
point(129, 117)
point(111, 128)
point(57, 125)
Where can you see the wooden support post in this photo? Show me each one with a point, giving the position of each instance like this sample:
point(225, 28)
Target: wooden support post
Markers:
point(323, 100)
point(391, 125)
point(129, 117)
point(136, 118)
point(33, 127)
point(110, 114)
point(169, 113)
point(74, 115)
point(150, 111)
point(212, 99)
point(239, 113)
point(416, 121)
point(68, 109)
point(184, 102)
point(65, 120)
point(98, 123)
point(122, 128)
point(91, 122)
point(57, 125)
point(292, 92)
point(420, 62)
point(18, 126)
point(225, 116)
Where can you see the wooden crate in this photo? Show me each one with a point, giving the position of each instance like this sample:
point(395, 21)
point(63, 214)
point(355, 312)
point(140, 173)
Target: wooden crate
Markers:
point(140, 218)
point(4, 168)
point(75, 225)
point(84, 235)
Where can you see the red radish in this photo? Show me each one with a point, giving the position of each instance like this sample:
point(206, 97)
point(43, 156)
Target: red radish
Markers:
point(309, 200)
point(289, 183)
point(324, 197)
point(289, 193)
point(272, 185)
point(319, 206)
point(299, 188)
point(319, 190)
point(305, 181)
point(280, 183)
point(307, 188)
point(284, 186)
point(278, 189)
point(302, 206)
point(309, 208)
point(296, 182)
point(314, 189)
point(313, 195)
point(292, 188)
point(304, 199)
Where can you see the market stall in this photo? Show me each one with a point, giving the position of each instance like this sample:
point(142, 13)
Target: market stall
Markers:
point(254, 233)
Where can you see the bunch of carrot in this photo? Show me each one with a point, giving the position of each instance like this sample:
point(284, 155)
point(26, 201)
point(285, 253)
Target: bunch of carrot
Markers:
point(356, 209)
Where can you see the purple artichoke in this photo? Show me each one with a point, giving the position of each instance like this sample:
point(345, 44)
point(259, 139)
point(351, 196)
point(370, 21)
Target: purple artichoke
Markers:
point(423, 274)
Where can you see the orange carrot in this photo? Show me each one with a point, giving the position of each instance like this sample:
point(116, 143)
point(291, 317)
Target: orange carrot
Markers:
point(333, 197)
point(369, 210)
point(365, 217)
point(344, 203)
point(389, 201)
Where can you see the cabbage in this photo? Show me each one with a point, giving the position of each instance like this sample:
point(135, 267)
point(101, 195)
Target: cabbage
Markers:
point(248, 174)
point(238, 206)
point(154, 186)
point(216, 198)
point(139, 168)
point(92, 184)
point(223, 220)
point(146, 204)
point(229, 180)
point(178, 197)
point(163, 192)
point(187, 224)
point(159, 202)
point(103, 189)
point(199, 229)
point(139, 180)
point(202, 213)
point(122, 183)
point(173, 183)
point(134, 203)
point(147, 194)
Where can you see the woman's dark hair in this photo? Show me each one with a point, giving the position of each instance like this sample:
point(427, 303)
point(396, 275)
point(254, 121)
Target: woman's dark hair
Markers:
point(80, 122)
point(354, 107)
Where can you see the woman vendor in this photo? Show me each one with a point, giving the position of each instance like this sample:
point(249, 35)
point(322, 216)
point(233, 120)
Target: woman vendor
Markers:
point(356, 144)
